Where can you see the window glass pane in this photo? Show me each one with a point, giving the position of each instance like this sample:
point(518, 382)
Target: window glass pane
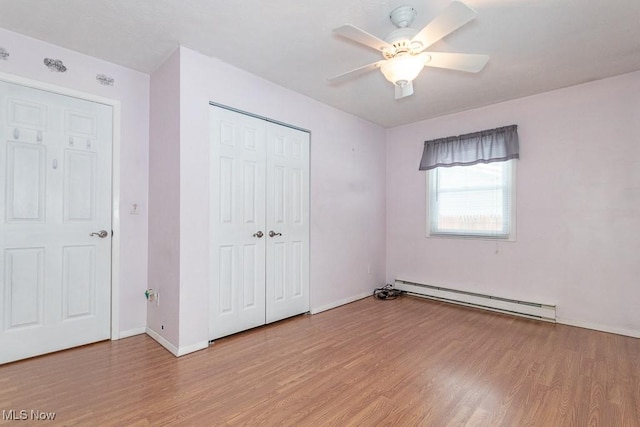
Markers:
point(471, 200)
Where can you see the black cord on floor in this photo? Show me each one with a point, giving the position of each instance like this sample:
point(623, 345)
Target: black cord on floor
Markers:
point(386, 292)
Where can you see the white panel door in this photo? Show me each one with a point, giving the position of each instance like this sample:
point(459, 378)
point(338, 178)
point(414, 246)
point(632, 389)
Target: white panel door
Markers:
point(287, 285)
point(55, 190)
point(237, 223)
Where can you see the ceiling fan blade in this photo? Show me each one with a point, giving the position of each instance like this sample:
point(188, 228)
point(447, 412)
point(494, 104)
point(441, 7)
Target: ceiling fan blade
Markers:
point(404, 91)
point(357, 71)
point(468, 62)
point(358, 35)
point(453, 17)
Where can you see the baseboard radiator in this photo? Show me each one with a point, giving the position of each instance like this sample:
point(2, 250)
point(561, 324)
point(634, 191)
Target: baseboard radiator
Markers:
point(531, 310)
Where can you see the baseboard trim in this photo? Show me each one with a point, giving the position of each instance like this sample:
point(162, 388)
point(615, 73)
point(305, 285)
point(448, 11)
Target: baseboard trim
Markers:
point(192, 348)
point(597, 327)
point(131, 333)
point(176, 351)
point(335, 304)
point(162, 341)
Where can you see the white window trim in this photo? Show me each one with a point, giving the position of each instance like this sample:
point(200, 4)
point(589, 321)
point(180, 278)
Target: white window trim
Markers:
point(512, 234)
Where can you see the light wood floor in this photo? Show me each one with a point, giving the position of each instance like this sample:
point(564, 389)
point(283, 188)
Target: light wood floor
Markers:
point(404, 362)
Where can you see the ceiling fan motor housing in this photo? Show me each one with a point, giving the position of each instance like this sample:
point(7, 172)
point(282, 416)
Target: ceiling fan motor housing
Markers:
point(400, 39)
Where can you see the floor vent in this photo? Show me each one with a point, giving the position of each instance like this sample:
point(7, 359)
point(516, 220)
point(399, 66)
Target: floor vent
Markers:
point(531, 310)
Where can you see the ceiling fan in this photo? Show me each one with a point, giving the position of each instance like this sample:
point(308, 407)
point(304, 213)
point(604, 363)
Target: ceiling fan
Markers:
point(403, 49)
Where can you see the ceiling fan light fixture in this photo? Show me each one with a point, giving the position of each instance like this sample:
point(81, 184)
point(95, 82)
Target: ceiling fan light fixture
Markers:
point(403, 69)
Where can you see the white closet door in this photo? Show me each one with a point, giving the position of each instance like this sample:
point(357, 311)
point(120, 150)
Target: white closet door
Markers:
point(55, 190)
point(287, 283)
point(237, 219)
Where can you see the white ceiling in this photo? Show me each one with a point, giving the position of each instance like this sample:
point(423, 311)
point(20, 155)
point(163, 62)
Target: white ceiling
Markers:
point(534, 45)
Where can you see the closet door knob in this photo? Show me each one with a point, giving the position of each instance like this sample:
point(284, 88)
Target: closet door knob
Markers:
point(274, 234)
point(101, 234)
point(259, 234)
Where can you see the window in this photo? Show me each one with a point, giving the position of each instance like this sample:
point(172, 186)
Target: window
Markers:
point(472, 201)
point(471, 183)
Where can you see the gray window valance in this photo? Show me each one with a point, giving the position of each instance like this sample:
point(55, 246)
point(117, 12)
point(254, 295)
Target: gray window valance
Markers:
point(494, 145)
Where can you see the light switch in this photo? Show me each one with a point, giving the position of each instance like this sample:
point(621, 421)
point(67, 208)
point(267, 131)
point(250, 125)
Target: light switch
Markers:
point(135, 209)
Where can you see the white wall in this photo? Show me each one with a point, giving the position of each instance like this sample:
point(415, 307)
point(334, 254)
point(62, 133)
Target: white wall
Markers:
point(131, 88)
point(164, 202)
point(578, 206)
point(347, 189)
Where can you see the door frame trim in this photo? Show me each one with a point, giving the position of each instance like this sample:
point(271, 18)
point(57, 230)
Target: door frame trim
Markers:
point(115, 179)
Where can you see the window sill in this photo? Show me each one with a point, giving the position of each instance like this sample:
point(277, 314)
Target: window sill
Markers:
point(510, 238)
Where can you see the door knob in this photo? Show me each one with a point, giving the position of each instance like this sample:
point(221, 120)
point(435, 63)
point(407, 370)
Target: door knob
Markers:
point(259, 234)
point(101, 234)
point(274, 234)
